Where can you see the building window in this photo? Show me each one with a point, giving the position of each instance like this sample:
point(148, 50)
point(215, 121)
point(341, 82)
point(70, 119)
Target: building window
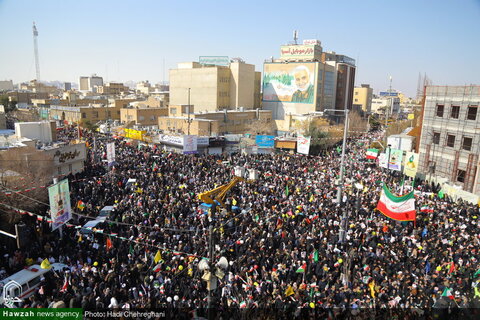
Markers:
point(467, 143)
point(461, 175)
point(356, 100)
point(84, 115)
point(436, 137)
point(450, 140)
point(440, 109)
point(455, 112)
point(152, 118)
point(173, 110)
point(472, 113)
point(95, 114)
point(356, 93)
point(141, 118)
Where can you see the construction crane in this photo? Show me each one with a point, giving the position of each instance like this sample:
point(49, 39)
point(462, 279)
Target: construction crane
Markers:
point(218, 194)
point(35, 48)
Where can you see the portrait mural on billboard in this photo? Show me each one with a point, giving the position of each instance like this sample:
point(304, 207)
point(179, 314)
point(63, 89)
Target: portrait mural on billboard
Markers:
point(293, 82)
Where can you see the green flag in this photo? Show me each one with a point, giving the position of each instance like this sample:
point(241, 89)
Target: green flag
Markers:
point(339, 150)
point(130, 250)
point(315, 256)
point(286, 190)
point(441, 194)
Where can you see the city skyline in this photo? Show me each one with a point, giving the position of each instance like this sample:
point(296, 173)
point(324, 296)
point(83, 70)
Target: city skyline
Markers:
point(135, 41)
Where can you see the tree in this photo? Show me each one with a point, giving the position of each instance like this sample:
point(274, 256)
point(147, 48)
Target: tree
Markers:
point(24, 174)
point(357, 124)
point(260, 126)
point(7, 104)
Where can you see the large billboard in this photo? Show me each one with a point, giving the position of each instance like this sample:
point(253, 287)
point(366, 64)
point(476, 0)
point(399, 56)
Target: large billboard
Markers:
point(289, 82)
point(306, 51)
point(189, 144)
point(411, 164)
point(60, 208)
point(214, 60)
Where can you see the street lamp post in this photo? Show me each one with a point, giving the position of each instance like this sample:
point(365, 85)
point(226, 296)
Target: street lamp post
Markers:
point(342, 168)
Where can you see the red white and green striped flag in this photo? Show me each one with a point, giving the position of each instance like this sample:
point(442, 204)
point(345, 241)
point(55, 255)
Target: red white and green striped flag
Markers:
point(447, 292)
point(302, 268)
point(372, 153)
point(426, 209)
point(397, 208)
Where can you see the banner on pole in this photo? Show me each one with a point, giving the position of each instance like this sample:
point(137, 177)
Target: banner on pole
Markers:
point(395, 156)
point(411, 164)
point(110, 153)
point(60, 208)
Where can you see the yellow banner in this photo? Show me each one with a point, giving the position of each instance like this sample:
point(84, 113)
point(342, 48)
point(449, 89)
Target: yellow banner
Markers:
point(134, 134)
point(411, 116)
point(411, 164)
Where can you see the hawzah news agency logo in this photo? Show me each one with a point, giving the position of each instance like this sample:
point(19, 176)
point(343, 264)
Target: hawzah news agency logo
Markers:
point(9, 301)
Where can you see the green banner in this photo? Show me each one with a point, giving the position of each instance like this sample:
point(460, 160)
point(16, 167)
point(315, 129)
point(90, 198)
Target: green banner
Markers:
point(42, 313)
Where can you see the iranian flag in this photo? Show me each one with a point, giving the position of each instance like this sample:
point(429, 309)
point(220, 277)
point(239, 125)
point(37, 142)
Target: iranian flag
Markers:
point(426, 209)
point(372, 153)
point(397, 208)
point(447, 293)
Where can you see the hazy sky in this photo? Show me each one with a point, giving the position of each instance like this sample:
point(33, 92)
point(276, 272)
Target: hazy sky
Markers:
point(134, 40)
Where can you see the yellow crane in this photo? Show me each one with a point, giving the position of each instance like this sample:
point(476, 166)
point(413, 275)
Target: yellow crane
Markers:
point(219, 193)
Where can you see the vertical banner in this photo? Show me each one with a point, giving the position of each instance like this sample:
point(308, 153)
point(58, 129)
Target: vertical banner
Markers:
point(189, 144)
point(395, 159)
point(60, 208)
point(110, 153)
point(303, 144)
point(382, 160)
point(411, 164)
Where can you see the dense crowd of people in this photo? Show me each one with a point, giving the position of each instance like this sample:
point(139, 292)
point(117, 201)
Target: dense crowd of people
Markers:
point(280, 236)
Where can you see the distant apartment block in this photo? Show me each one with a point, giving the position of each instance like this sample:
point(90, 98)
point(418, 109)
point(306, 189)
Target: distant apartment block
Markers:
point(215, 87)
point(90, 83)
point(362, 98)
point(6, 85)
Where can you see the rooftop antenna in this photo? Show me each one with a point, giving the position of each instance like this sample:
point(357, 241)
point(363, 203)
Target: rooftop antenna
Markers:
point(35, 48)
point(295, 36)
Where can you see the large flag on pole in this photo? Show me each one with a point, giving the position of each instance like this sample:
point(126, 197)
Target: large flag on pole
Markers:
point(397, 208)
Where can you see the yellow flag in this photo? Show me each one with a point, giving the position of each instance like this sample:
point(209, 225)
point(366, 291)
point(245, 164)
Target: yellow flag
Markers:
point(80, 238)
point(289, 291)
point(312, 198)
point(45, 264)
point(190, 272)
point(234, 202)
point(371, 285)
point(158, 257)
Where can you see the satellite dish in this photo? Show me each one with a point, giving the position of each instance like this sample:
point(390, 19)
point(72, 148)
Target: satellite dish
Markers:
point(223, 263)
point(203, 265)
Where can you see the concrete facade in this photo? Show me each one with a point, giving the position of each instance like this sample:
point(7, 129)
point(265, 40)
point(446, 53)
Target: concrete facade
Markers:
point(212, 88)
point(6, 85)
point(142, 115)
point(450, 138)
point(83, 114)
point(362, 96)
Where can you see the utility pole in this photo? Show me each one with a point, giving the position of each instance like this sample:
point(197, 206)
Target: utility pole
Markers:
point(387, 110)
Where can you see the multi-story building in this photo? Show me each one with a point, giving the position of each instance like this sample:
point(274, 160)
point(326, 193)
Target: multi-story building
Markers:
point(450, 138)
point(144, 87)
point(112, 88)
point(83, 114)
point(384, 104)
point(362, 97)
point(6, 85)
point(181, 120)
point(90, 83)
point(306, 80)
point(143, 116)
point(344, 78)
point(215, 87)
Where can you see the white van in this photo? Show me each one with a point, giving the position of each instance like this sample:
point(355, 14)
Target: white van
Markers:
point(26, 282)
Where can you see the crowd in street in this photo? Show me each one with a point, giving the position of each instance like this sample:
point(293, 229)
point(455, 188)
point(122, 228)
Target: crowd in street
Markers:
point(281, 239)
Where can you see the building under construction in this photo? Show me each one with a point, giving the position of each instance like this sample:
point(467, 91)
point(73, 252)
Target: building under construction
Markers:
point(450, 139)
